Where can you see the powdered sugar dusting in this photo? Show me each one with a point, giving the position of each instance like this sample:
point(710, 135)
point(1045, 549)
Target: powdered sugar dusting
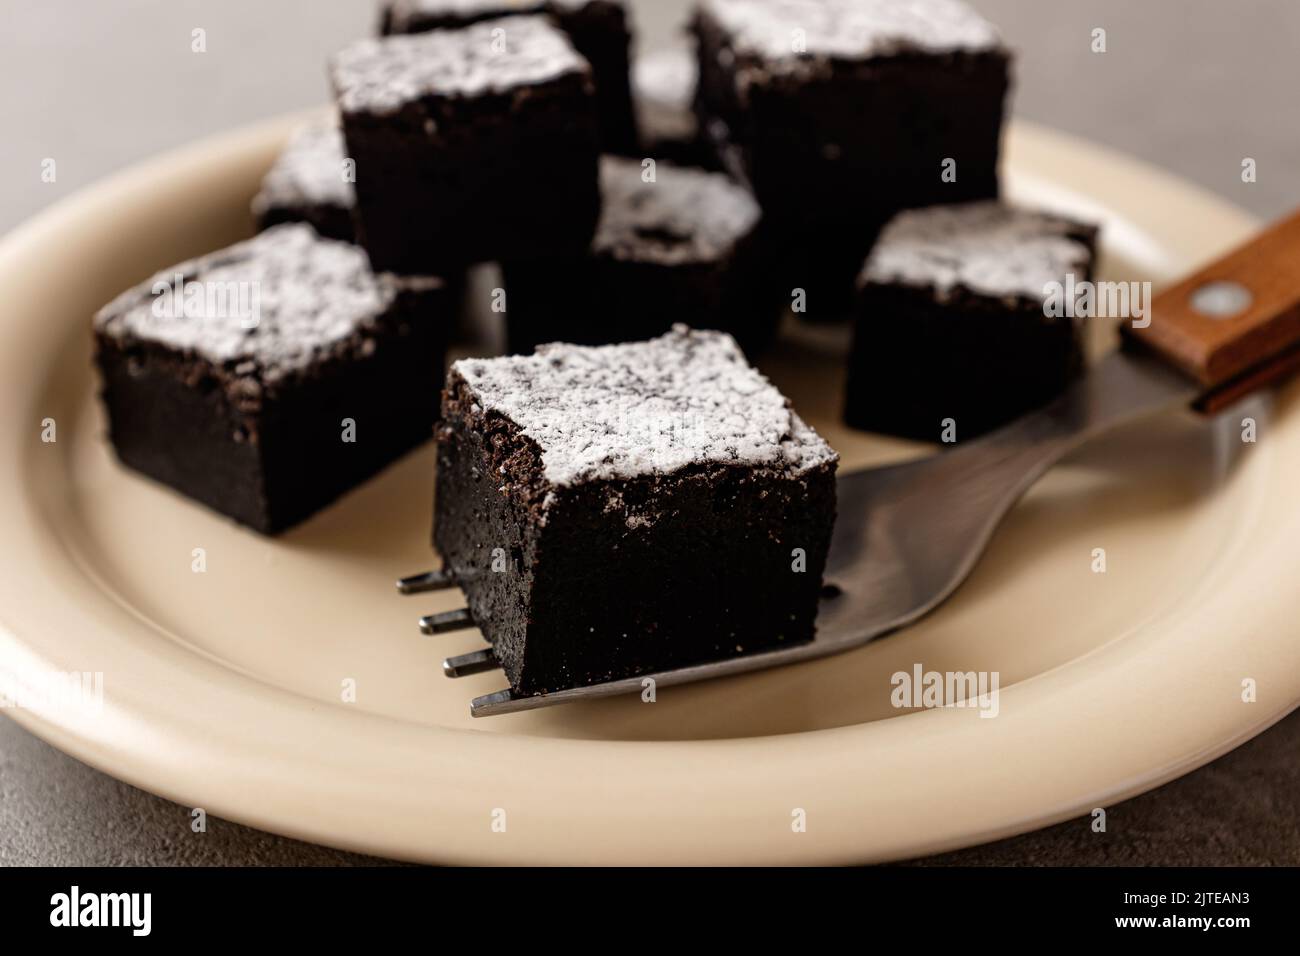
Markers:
point(309, 171)
point(851, 29)
point(986, 247)
point(638, 409)
point(685, 215)
point(307, 293)
point(380, 75)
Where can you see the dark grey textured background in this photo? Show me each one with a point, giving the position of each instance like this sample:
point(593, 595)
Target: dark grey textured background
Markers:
point(1191, 85)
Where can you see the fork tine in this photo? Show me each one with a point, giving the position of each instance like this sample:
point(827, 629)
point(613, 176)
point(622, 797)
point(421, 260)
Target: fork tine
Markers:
point(475, 662)
point(487, 705)
point(441, 623)
point(428, 581)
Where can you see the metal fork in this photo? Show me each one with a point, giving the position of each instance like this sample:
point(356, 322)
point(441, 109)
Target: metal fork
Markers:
point(907, 535)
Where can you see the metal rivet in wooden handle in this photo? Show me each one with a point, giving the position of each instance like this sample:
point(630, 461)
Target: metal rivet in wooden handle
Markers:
point(1235, 318)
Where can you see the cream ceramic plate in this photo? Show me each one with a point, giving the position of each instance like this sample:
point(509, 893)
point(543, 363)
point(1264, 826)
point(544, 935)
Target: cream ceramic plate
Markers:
point(222, 690)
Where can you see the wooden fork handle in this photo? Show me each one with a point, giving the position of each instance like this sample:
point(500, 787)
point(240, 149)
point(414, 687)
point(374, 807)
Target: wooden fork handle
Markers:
point(1233, 326)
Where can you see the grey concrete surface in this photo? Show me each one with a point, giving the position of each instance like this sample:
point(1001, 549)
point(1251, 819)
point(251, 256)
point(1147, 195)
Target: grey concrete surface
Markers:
point(1190, 85)
point(1241, 810)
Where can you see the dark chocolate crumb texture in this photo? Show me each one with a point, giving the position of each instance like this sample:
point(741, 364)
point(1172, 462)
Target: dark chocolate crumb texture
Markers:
point(952, 324)
point(308, 184)
point(268, 378)
point(618, 510)
point(682, 245)
point(598, 29)
point(470, 145)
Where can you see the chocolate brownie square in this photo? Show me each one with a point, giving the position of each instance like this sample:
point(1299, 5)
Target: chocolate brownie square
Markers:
point(267, 379)
point(309, 183)
point(685, 247)
point(598, 30)
point(470, 145)
point(954, 319)
point(617, 510)
point(841, 109)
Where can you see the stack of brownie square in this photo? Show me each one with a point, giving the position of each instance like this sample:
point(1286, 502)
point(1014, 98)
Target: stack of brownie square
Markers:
point(847, 117)
point(840, 113)
point(634, 495)
point(479, 139)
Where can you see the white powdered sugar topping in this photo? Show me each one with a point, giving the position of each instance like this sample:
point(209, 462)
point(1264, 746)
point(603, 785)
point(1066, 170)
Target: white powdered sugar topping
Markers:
point(309, 171)
point(493, 56)
point(780, 30)
point(684, 215)
point(273, 302)
point(986, 247)
point(645, 409)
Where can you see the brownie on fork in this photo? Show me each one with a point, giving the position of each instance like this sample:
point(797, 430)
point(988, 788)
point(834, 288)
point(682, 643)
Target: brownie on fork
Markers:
point(618, 510)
